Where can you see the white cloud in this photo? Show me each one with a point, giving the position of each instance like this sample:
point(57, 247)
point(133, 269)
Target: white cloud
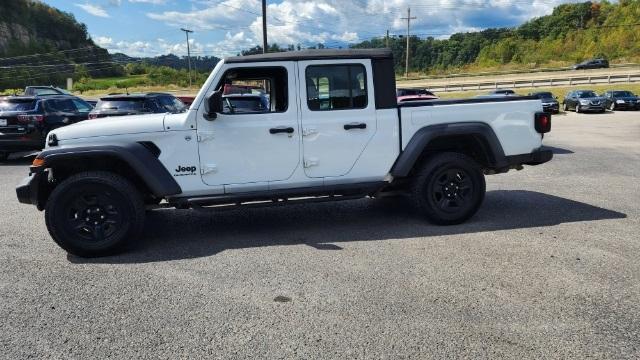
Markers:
point(103, 41)
point(238, 23)
point(95, 10)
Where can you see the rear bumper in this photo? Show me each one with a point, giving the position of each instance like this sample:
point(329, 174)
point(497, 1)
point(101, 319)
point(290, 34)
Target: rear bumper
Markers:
point(25, 144)
point(537, 157)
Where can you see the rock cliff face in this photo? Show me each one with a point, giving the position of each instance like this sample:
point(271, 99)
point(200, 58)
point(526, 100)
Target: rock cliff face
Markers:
point(30, 26)
point(13, 32)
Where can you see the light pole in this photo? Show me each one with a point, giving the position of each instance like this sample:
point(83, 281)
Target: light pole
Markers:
point(264, 26)
point(186, 31)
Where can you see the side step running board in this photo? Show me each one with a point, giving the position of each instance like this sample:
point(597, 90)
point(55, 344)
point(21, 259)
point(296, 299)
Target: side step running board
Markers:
point(281, 197)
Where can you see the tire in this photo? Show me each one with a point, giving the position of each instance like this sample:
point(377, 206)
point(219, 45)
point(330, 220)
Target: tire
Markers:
point(565, 108)
point(449, 188)
point(612, 106)
point(94, 214)
point(577, 108)
point(4, 156)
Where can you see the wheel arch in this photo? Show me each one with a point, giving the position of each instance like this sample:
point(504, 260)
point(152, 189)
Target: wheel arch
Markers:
point(475, 139)
point(138, 162)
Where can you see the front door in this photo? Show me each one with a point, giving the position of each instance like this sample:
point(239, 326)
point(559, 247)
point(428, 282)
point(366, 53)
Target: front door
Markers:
point(256, 139)
point(338, 115)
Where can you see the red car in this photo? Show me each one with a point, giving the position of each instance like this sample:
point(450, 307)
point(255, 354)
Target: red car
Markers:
point(405, 95)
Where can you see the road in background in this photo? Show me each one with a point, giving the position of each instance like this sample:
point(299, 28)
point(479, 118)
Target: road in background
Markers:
point(534, 79)
point(548, 268)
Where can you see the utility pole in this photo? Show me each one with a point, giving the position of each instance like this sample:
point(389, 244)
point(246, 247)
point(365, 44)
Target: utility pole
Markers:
point(387, 39)
point(186, 31)
point(408, 18)
point(264, 26)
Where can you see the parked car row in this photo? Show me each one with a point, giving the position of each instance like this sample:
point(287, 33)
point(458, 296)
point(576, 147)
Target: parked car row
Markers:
point(589, 101)
point(25, 120)
point(579, 100)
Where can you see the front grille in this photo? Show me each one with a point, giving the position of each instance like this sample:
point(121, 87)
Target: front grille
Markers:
point(595, 102)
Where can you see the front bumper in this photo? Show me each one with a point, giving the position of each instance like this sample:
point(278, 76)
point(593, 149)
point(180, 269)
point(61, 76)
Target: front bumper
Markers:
point(537, 157)
point(628, 106)
point(32, 189)
point(552, 108)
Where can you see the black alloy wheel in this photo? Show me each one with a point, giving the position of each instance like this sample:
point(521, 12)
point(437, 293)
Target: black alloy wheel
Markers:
point(94, 214)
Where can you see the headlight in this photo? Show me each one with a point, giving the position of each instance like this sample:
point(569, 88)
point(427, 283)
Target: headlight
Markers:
point(619, 101)
point(584, 102)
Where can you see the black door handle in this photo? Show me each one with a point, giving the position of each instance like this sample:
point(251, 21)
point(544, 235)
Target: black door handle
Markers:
point(355, 126)
point(288, 130)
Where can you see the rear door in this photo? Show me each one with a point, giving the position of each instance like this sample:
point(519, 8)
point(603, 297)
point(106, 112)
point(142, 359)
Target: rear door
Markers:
point(337, 114)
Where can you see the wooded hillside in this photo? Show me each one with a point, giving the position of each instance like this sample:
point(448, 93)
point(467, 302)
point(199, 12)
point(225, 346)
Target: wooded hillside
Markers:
point(572, 33)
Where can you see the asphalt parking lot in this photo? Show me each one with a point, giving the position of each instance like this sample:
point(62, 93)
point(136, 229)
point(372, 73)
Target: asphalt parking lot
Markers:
point(549, 268)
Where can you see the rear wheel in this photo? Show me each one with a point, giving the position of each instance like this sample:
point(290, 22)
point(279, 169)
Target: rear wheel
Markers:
point(449, 188)
point(94, 214)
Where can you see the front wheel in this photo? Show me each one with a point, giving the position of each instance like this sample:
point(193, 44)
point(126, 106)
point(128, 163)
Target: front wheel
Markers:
point(94, 214)
point(449, 188)
point(612, 106)
point(565, 108)
point(577, 108)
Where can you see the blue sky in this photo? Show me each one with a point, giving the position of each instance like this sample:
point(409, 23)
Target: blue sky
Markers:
point(224, 27)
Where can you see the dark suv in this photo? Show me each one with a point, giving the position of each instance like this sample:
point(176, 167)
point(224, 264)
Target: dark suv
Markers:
point(549, 102)
point(26, 120)
point(136, 104)
point(583, 101)
point(592, 64)
point(621, 100)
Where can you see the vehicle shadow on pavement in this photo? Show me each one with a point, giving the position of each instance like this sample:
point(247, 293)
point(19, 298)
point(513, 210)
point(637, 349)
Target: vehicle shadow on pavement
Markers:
point(185, 234)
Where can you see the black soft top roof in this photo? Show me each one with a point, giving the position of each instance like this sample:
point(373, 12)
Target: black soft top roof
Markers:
point(314, 54)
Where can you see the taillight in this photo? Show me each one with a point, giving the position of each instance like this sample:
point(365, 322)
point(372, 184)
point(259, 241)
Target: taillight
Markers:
point(93, 116)
point(30, 118)
point(543, 122)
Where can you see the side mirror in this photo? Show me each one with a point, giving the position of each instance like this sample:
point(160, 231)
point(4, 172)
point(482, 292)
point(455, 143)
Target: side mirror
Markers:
point(213, 105)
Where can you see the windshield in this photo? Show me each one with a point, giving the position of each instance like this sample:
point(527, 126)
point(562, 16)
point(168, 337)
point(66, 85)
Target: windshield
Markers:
point(17, 104)
point(586, 94)
point(622, 94)
point(544, 95)
point(122, 105)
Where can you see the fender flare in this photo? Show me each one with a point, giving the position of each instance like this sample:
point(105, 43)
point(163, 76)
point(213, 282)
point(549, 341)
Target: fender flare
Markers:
point(421, 139)
point(138, 156)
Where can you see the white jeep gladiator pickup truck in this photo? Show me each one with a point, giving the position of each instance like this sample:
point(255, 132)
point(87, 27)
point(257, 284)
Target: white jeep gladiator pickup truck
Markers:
point(325, 125)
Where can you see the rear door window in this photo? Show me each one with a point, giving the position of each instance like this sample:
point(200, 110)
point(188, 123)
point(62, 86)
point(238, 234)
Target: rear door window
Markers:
point(336, 87)
point(61, 105)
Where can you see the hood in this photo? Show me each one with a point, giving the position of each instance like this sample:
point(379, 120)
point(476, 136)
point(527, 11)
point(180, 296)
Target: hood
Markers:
point(109, 126)
point(626, 98)
point(595, 98)
point(549, 101)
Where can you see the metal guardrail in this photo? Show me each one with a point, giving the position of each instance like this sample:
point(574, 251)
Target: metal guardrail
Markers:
point(515, 72)
point(533, 83)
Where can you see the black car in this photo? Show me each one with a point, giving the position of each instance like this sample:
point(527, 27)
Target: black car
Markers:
point(592, 64)
point(502, 92)
point(26, 120)
point(621, 100)
point(549, 102)
point(583, 101)
point(136, 104)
